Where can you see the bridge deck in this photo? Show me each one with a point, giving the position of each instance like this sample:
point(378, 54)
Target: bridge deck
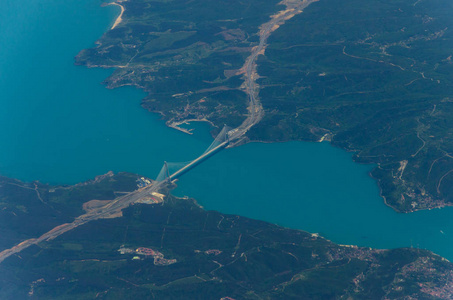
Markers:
point(198, 160)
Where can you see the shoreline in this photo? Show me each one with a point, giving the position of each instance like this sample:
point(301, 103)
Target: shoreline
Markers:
point(119, 19)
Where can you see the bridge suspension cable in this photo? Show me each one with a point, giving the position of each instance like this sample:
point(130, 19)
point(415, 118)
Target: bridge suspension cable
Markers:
point(220, 138)
point(170, 168)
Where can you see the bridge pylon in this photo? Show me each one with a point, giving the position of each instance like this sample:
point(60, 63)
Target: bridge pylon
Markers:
point(164, 174)
point(167, 172)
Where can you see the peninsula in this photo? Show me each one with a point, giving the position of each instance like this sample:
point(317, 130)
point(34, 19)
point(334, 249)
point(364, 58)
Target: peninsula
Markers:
point(377, 91)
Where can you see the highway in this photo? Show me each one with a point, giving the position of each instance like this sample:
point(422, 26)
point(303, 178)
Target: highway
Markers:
point(256, 112)
point(105, 211)
point(255, 108)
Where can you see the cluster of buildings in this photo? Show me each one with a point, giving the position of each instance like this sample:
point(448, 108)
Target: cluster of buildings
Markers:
point(147, 252)
point(213, 251)
point(210, 251)
point(142, 182)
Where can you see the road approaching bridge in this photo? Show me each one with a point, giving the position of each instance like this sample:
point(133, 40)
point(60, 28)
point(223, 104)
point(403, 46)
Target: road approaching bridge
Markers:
point(111, 209)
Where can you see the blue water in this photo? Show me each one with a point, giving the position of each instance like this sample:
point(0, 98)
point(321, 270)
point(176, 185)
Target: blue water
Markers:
point(317, 188)
point(59, 125)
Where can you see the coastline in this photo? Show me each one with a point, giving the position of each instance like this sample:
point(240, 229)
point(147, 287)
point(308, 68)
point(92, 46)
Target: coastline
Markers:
point(119, 19)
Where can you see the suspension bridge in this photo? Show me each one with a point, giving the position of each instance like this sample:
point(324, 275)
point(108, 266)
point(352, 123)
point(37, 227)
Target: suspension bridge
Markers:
point(166, 176)
point(227, 137)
